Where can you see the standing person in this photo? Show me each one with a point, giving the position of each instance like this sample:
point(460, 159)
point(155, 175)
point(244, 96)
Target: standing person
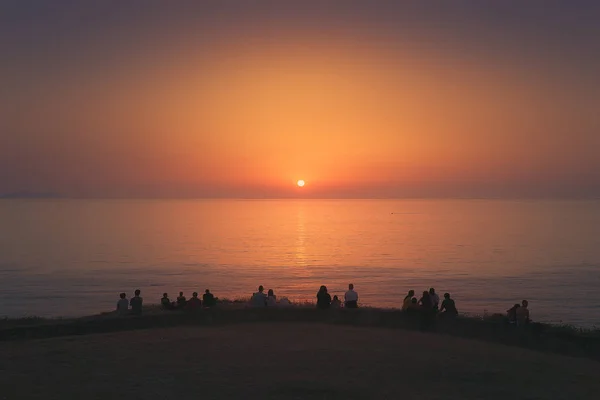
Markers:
point(208, 299)
point(406, 304)
point(259, 299)
point(435, 299)
point(523, 313)
point(448, 306)
point(271, 299)
point(123, 304)
point(323, 298)
point(351, 297)
point(136, 303)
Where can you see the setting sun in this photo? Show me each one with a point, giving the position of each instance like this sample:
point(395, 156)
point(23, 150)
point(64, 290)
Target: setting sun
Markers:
point(300, 183)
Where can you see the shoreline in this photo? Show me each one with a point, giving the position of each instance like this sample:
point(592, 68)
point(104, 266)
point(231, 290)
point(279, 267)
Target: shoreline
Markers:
point(548, 338)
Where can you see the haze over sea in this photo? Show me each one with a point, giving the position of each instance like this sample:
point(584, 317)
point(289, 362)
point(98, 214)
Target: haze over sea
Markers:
point(73, 257)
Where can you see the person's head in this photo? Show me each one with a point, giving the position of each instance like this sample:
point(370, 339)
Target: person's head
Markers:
point(195, 294)
point(323, 289)
point(425, 293)
point(335, 298)
point(431, 291)
point(525, 303)
point(411, 293)
point(270, 293)
point(207, 291)
point(351, 286)
point(165, 295)
point(516, 306)
point(137, 292)
point(446, 295)
point(414, 300)
point(122, 295)
point(261, 288)
point(181, 294)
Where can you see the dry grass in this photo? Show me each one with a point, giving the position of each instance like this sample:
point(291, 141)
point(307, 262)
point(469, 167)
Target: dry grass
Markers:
point(286, 361)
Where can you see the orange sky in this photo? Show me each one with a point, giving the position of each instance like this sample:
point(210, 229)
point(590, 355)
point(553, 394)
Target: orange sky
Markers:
point(140, 106)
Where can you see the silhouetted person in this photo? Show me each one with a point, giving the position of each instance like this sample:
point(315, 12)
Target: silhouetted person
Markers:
point(425, 302)
point(136, 303)
point(406, 303)
point(323, 298)
point(351, 297)
point(123, 304)
point(259, 299)
point(426, 311)
point(523, 313)
point(335, 302)
point(166, 303)
point(448, 306)
point(271, 299)
point(511, 314)
point(435, 299)
point(181, 301)
point(194, 303)
point(208, 299)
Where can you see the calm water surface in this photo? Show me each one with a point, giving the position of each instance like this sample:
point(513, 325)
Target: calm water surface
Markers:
point(73, 257)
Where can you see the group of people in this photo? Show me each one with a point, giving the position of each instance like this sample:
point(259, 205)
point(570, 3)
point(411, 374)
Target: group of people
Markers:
point(518, 314)
point(427, 305)
point(136, 302)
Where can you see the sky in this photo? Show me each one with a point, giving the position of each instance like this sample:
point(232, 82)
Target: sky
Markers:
point(364, 99)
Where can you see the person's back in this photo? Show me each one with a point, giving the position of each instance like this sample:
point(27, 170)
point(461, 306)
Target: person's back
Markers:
point(194, 303)
point(272, 301)
point(406, 304)
point(181, 300)
point(523, 313)
point(351, 297)
point(123, 304)
point(435, 299)
point(335, 302)
point(208, 299)
point(136, 303)
point(425, 302)
point(259, 299)
point(448, 306)
point(511, 314)
point(323, 298)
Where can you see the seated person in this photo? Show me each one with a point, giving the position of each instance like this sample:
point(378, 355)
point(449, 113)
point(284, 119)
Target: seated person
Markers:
point(336, 303)
point(166, 303)
point(323, 298)
point(136, 303)
point(406, 304)
point(208, 299)
point(271, 299)
point(259, 299)
point(448, 306)
point(351, 297)
point(194, 303)
point(511, 314)
point(523, 313)
point(181, 300)
point(123, 305)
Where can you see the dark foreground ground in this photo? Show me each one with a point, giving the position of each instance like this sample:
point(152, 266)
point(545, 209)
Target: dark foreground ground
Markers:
point(286, 361)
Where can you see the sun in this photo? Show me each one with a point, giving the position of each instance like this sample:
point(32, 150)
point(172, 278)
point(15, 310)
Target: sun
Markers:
point(300, 183)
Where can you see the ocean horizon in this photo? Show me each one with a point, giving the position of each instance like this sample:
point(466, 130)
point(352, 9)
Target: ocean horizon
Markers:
point(72, 257)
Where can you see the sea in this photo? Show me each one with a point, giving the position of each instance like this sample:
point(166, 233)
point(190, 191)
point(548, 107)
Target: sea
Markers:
point(63, 258)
